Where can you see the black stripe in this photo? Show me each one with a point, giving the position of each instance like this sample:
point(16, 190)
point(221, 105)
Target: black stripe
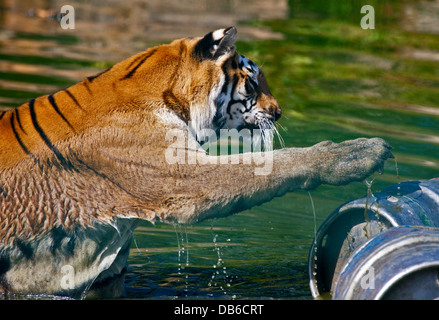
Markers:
point(87, 87)
point(73, 98)
point(253, 83)
point(219, 119)
point(243, 102)
point(25, 248)
point(17, 114)
point(232, 101)
point(91, 78)
point(55, 106)
point(226, 79)
point(57, 234)
point(248, 86)
point(2, 114)
point(136, 59)
point(43, 135)
point(3, 193)
point(18, 137)
point(103, 176)
point(130, 74)
point(234, 64)
point(5, 265)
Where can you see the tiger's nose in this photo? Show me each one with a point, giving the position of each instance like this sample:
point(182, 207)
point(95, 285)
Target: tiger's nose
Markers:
point(271, 107)
point(277, 112)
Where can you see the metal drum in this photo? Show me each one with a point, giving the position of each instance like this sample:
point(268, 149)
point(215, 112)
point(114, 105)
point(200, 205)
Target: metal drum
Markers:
point(399, 263)
point(351, 226)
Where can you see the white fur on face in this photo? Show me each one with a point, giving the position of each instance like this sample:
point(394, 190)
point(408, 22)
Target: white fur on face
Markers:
point(239, 100)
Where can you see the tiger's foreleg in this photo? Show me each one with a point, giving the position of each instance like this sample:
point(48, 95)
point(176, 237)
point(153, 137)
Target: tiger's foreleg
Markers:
point(219, 186)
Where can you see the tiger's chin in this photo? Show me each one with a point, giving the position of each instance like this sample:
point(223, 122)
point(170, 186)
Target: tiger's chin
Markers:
point(262, 127)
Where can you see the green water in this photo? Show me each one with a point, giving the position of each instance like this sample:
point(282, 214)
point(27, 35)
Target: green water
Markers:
point(334, 81)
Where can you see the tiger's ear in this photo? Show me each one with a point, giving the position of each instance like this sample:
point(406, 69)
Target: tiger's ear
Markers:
point(216, 44)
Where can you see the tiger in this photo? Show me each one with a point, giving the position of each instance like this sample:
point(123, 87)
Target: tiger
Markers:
point(82, 167)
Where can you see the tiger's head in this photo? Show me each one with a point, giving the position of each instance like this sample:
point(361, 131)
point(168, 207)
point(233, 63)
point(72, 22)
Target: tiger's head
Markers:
point(207, 83)
point(240, 97)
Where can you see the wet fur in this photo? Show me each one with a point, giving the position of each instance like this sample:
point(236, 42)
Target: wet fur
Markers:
point(81, 167)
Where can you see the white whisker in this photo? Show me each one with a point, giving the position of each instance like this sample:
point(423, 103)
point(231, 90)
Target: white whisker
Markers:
point(277, 124)
point(279, 137)
point(266, 126)
point(269, 131)
point(268, 139)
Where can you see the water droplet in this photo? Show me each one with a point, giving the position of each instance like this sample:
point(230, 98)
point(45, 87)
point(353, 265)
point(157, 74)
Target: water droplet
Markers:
point(314, 214)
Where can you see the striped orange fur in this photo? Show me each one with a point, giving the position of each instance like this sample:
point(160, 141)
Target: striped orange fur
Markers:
point(79, 168)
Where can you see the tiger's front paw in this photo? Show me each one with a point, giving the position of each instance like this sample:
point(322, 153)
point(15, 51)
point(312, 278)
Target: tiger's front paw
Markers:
point(348, 161)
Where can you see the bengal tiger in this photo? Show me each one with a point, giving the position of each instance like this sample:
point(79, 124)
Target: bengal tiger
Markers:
point(81, 167)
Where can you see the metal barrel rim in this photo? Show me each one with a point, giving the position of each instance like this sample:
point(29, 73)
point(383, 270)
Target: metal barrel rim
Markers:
point(404, 244)
point(397, 205)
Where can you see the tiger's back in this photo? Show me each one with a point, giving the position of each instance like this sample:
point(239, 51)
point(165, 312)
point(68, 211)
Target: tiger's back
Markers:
point(42, 122)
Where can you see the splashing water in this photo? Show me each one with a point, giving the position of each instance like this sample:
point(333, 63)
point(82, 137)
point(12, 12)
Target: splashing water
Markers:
point(369, 195)
point(314, 213)
point(398, 178)
point(315, 223)
point(183, 247)
point(220, 270)
point(183, 242)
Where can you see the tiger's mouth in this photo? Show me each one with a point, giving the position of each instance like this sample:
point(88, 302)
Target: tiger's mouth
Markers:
point(266, 124)
point(261, 119)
